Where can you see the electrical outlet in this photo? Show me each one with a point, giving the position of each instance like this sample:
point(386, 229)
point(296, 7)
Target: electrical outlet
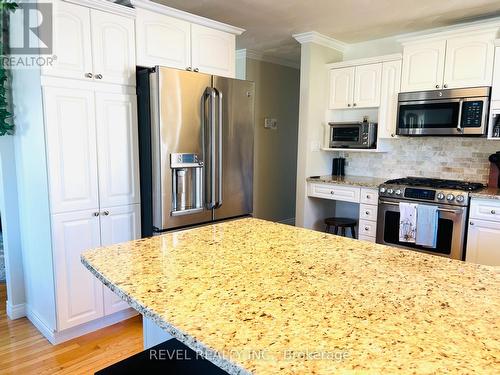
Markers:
point(270, 123)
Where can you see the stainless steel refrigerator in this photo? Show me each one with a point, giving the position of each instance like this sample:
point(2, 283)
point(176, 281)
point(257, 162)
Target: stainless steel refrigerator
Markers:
point(196, 148)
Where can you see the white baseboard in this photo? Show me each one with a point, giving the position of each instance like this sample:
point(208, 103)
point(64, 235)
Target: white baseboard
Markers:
point(15, 311)
point(70, 333)
point(289, 221)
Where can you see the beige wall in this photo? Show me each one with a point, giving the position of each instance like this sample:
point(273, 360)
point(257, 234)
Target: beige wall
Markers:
point(277, 96)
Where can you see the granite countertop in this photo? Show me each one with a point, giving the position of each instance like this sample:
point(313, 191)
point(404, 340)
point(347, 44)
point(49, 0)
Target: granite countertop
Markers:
point(488, 193)
point(370, 182)
point(270, 298)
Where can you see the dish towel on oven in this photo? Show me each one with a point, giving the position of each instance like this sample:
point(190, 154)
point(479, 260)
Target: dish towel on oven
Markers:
point(407, 222)
point(427, 225)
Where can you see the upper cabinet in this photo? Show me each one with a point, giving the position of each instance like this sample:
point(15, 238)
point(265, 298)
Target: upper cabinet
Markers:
point(387, 113)
point(423, 66)
point(357, 86)
point(154, 32)
point(92, 45)
point(178, 43)
point(459, 61)
point(495, 90)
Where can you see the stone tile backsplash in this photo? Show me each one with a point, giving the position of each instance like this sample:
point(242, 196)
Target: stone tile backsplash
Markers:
point(450, 158)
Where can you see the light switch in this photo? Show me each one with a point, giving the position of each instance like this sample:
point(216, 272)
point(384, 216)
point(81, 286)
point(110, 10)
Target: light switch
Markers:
point(270, 123)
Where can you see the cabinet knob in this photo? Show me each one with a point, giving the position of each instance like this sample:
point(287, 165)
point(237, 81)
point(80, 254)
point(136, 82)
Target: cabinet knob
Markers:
point(188, 68)
point(348, 105)
point(88, 75)
point(367, 196)
point(437, 86)
point(367, 212)
point(471, 223)
point(354, 104)
point(105, 213)
point(196, 70)
point(366, 228)
point(445, 86)
point(332, 192)
point(98, 76)
point(95, 214)
point(392, 135)
point(493, 212)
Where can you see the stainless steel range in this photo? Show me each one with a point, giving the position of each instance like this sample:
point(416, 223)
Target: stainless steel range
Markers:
point(452, 201)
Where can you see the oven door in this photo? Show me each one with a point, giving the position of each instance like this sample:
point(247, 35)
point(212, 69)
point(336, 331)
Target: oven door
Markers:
point(450, 234)
point(346, 136)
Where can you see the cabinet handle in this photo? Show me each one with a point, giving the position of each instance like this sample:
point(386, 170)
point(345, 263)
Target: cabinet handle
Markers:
point(437, 86)
point(188, 68)
point(95, 214)
point(493, 212)
point(98, 76)
point(106, 213)
point(88, 75)
point(354, 104)
point(445, 85)
point(196, 70)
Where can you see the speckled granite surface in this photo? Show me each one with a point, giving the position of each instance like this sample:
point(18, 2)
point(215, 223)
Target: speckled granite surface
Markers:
point(488, 193)
point(271, 298)
point(369, 182)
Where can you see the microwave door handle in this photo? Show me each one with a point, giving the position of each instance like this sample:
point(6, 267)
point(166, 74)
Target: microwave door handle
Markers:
point(459, 125)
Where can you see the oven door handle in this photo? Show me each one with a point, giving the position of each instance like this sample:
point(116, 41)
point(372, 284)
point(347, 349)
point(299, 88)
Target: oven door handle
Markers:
point(439, 209)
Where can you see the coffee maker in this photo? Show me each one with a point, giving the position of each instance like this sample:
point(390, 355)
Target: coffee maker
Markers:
point(494, 180)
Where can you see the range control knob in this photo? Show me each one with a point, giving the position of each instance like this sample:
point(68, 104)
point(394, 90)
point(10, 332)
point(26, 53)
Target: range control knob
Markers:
point(398, 192)
point(440, 196)
point(390, 191)
point(450, 197)
point(382, 190)
point(460, 198)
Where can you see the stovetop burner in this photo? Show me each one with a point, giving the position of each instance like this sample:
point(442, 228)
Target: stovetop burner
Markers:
point(437, 183)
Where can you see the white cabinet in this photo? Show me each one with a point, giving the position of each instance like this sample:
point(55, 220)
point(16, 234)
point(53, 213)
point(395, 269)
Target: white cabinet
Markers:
point(154, 32)
point(423, 66)
point(171, 42)
point(212, 51)
point(482, 242)
point(495, 89)
point(71, 148)
point(464, 60)
point(387, 113)
point(113, 48)
point(118, 224)
point(117, 143)
point(341, 87)
point(92, 45)
point(355, 86)
point(469, 61)
point(78, 293)
point(367, 85)
point(71, 41)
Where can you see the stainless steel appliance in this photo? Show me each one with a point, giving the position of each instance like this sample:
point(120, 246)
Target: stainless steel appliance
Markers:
point(444, 112)
point(196, 148)
point(361, 134)
point(452, 201)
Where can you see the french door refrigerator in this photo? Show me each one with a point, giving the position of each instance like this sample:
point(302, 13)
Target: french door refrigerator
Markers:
point(196, 148)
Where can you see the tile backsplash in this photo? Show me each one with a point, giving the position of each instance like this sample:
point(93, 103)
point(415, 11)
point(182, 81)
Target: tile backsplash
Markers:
point(437, 157)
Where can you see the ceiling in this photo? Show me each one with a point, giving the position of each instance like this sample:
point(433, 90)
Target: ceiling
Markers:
point(270, 24)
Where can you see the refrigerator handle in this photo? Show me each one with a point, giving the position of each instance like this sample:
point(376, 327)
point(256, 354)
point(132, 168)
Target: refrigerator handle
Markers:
point(220, 165)
point(209, 148)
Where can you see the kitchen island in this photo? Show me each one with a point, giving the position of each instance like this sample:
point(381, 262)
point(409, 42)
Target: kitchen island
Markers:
point(266, 298)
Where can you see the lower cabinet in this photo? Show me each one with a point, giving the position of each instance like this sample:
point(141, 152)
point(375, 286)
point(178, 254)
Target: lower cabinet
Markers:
point(483, 242)
point(81, 297)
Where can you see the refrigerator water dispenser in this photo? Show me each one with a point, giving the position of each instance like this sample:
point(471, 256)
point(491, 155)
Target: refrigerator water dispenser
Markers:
point(187, 184)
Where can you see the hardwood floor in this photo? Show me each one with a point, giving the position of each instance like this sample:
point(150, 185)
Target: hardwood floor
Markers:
point(23, 350)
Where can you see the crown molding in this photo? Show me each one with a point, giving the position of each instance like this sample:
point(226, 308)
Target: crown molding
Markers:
point(323, 40)
point(106, 6)
point(189, 17)
point(256, 55)
point(365, 61)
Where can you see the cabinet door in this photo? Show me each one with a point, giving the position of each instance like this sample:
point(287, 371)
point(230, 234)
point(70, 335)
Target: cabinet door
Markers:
point(341, 87)
point(118, 152)
point(423, 66)
point(482, 242)
point(469, 61)
point(387, 113)
point(495, 90)
point(162, 40)
point(367, 79)
point(118, 224)
point(71, 148)
point(113, 48)
point(212, 51)
point(71, 42)
point(79, 293)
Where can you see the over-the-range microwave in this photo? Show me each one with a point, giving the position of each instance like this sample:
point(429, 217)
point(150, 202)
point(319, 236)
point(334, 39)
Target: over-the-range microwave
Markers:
point(452, 112)
point(361, 134)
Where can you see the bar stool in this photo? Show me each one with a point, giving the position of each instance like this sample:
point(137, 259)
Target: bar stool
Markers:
point(342, 223)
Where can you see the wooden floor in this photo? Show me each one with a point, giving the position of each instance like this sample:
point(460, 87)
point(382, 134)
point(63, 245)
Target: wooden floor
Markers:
point(23, 350)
